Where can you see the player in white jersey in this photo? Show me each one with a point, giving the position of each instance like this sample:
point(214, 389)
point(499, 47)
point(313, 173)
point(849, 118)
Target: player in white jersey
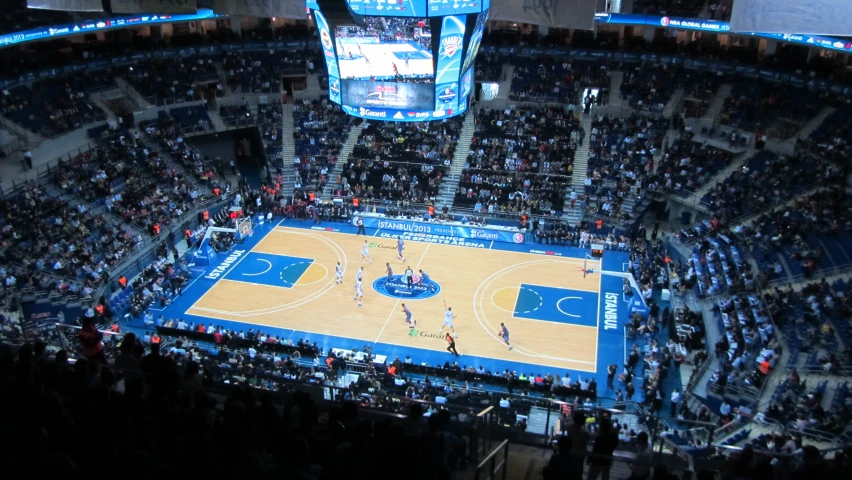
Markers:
point(365, 253)
point(359, 292)
point(339, 270)
point(448, 322)
point(400, 246)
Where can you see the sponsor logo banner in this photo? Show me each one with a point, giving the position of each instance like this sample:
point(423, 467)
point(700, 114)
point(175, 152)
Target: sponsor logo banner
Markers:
point(440, 239)
point(485, 234)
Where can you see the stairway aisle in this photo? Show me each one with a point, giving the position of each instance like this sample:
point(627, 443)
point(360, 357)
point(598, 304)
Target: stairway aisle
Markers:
point(537, 421)
point(718, 101)
point(155, 146)
point(581, 168)
point(505, 85)
point(101, 98)
point(814, 123)
point(615, 99)
point(216, 121)
point(288, 151)
point(450, 183)
point(134, 94)
point(313, 89)
point(343, 157)
point(672, 103)
point(736, 163)
point(223, 78)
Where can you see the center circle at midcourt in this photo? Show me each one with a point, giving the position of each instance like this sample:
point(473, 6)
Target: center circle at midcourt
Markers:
point(397, 287)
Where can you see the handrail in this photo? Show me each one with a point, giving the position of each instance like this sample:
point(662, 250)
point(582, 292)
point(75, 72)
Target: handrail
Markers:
point(491, 461)
point(488, 410)
point(75, 327)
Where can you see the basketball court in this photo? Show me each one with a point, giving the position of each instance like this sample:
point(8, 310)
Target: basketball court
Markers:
point(562, 311)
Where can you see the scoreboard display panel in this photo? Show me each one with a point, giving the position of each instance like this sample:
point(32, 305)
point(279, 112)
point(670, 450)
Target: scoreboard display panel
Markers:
point(405, 60)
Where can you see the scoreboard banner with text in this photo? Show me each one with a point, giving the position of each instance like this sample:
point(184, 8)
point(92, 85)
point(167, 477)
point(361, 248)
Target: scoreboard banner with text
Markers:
point(402, 115)
point(414, 96)
point(429, 228)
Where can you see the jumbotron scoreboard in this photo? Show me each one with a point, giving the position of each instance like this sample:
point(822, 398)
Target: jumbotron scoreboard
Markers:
point(405, 60)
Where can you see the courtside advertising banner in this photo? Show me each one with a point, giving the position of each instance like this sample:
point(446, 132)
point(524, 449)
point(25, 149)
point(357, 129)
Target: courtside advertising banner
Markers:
point(456, 231)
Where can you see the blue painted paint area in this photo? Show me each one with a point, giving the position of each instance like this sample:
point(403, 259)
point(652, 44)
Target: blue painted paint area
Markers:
point(560, 305)
point(267, 269)
point(397, 287)
point(614, 261)
point(611, 342)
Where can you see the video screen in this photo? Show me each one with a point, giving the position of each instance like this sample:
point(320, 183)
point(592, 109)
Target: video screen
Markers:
point(467, 82)
point(396, 8)
point(388, 49)
point(444, 7)
point(415, 96)
point(475, 40)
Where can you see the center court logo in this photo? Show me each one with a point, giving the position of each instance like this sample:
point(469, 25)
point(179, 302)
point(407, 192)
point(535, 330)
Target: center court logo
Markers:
point(397, 287)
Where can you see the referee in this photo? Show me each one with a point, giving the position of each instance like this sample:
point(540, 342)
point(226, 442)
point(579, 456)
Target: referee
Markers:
point(409, 276)
point(452, 344)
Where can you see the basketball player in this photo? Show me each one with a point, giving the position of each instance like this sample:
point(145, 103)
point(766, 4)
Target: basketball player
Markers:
point(426, 281)
point(409, 276)
point(339, 270)
point(390, 271)
point(448, 322)
point(400, 246)
point(504, 333)
point(365, 253)
point(359, 292)
point(408, 316)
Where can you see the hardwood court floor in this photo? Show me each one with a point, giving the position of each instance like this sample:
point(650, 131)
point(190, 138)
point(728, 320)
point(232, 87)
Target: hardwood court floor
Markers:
point(551, 310)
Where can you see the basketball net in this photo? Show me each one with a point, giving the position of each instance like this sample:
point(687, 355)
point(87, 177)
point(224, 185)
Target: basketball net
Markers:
point(586, 270)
